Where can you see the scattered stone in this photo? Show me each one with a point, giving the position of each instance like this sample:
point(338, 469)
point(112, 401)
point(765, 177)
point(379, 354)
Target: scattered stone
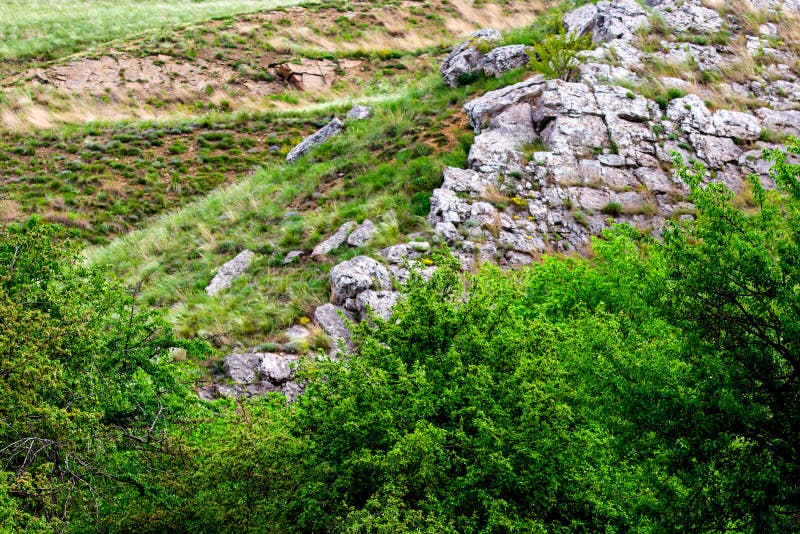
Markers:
point(380, 303)
point(333, 242)
point(580, 21)
point(334, 127)
point(229, 271)
point(363, 234)
point(292, 256)
point(780, 121)
point(689, 16)
point(359, 113)
point(359, 274)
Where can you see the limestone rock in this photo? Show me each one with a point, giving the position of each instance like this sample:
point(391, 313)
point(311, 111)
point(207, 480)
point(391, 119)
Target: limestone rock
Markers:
point(780, 121)
point(334, 127)
point(618, 19)
point(363, 234)
point(491, 104)
point(308, 74)
point(333, 242)
point(464, 60)
point(715, 151)
point(502, 59)
point(292, 256)
point(580, 21)
point(379, 303)
point(359, 113)
point(333, 321)
point(229, 271)
point(359, 274)
point(689, 16)
point(736, 124)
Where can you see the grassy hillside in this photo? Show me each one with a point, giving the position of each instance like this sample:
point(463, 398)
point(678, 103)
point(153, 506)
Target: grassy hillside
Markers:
point(41, 28)
point(382, 169)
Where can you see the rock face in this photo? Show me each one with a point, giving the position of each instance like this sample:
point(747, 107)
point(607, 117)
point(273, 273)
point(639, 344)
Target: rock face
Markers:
point(464, 59)
point(229, 271)
point(317, 138)
point(554, 163)
point(482, 53)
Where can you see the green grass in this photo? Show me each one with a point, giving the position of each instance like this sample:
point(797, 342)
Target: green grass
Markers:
point(47, 29)
point(383, 169)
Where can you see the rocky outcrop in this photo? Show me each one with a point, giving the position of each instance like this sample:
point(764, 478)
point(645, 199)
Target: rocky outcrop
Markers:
point(334, 127)
point(229, 271)
point(555, 163)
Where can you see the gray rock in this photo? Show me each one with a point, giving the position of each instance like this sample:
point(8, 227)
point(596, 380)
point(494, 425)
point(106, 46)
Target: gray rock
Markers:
point(618, 19)
point(691, 113)
point(292, 256)
point(689, 16)
point(780, 121)
point(333, 242)
point(359, 113)
point(502, 59)
point(464, 60)
point(242, 368)
point(380, 303)
point(276, 368)
point(736, 124)
point(363, 234)
point(229, 271)
point(256, 373)
point(480, 110)
point(580, 21)
point(715, 151)
point(334, 127)
point(601, 73)
point(577, 136)
point(615, 100)
point(333, 321)
point(446, 207)
point(354, 276)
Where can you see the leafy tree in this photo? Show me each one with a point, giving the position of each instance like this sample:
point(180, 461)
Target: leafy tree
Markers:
point(85, 386)
point(732, 286)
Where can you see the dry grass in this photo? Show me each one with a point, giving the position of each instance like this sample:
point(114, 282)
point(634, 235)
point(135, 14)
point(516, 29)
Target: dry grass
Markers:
point(10, 210)
point(470, 18)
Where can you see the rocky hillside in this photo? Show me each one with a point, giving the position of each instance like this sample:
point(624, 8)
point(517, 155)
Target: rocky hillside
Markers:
point(556, 161)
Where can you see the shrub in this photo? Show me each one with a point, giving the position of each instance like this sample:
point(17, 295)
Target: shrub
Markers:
point(557, 55)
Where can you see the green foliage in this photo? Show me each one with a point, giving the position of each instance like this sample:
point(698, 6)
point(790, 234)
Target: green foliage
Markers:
point(86, 392)
point(556, 56)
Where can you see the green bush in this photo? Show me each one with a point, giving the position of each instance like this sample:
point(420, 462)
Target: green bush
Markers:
point(556, 56)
